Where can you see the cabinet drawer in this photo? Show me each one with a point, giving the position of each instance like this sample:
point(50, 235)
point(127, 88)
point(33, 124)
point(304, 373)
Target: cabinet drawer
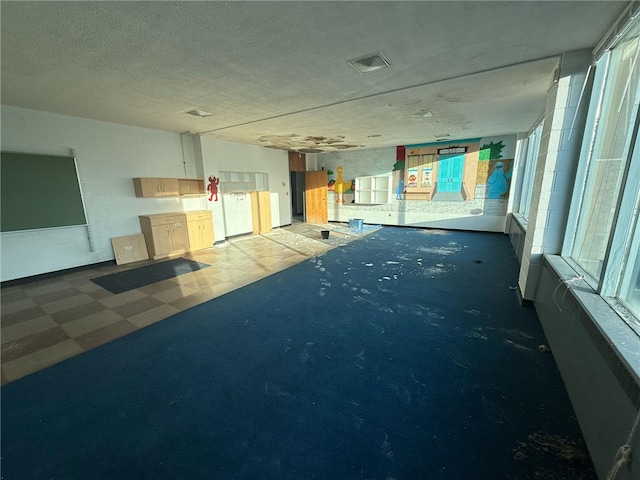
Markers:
point(167, 220)
point(198, 216)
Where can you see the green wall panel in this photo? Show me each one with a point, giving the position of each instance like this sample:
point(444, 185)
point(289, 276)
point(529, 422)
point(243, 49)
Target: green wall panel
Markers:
point(39, 191)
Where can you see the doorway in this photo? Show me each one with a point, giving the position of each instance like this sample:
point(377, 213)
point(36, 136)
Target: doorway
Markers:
point(315, 197)
point(297, 183)
point(450, 168)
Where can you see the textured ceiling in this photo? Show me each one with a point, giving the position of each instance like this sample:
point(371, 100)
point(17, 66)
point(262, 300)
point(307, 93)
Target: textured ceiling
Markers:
point(276, 73)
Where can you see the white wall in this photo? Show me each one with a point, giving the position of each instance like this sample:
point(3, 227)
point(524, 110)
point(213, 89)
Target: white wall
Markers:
point(109, 156)
point(221, 155)
point(359, 163)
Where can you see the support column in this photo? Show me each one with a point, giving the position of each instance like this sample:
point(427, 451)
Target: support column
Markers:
point(562, 134)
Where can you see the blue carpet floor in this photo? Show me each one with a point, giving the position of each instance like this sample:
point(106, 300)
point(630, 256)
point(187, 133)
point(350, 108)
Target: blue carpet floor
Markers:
point(403, 355)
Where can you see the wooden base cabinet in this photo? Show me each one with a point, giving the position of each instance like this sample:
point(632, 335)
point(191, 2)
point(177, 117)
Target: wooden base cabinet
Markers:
point(165, 234)
point(169, 234)
point(200, 228)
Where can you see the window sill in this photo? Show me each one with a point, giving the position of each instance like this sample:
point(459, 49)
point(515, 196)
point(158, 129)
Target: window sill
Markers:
point(521, 221)
point(615, 336)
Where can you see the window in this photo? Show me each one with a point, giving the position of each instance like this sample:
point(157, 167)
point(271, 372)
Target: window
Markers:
point(629, 293)
point(609, 157)
point(425, 161)
point(531, 159)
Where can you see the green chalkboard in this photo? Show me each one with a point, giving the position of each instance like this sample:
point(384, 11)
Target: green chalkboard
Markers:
point(39, 191)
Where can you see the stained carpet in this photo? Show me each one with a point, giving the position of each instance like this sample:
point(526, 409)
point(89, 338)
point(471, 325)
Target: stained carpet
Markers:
point(403, 355)
point(139, 277)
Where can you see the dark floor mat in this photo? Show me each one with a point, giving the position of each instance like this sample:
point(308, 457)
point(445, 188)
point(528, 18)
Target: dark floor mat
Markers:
point(139, 277)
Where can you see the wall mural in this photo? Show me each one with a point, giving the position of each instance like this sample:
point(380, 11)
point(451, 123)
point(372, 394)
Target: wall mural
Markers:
point(458, 171)
point(461, 184)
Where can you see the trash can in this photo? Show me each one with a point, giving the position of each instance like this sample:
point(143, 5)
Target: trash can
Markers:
point(355, 223)
point(325, 234)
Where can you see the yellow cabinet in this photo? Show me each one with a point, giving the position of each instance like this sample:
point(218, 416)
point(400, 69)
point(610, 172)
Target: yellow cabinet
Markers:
point(261, 212)
point(200, 228)
point(156, 187)
point(165, 234)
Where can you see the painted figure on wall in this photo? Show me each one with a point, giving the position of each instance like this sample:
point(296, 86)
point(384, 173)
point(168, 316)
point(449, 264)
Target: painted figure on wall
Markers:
point(400, 190)
point(213, 188)
point(340, 186)
point(412, 177)
point(426, 178)
point(498, 182)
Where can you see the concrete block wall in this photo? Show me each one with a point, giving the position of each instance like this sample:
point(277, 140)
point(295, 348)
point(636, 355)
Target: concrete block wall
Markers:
point(594, 350)
point(561, 140)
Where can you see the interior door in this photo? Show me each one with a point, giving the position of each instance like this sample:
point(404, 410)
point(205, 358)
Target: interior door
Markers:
point(450, 169)
point(316, 197)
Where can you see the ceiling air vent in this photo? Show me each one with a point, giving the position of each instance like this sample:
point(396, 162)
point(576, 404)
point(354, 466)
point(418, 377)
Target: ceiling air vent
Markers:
point(370, 63)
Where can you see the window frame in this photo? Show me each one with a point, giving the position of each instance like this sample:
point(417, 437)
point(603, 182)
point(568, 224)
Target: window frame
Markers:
point(529, 173)
point(625, 219)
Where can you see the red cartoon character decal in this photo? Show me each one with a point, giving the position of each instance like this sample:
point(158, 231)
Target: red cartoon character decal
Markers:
point(213, 188)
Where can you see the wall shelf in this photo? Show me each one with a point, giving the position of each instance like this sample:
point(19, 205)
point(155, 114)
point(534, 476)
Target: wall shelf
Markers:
point(244, 182)
point(374, 190)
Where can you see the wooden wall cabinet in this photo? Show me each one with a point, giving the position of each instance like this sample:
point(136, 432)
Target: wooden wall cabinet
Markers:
point(200, 229)
point(156, 187)
point(191, 186)
point(165, 234)
point(168, 187)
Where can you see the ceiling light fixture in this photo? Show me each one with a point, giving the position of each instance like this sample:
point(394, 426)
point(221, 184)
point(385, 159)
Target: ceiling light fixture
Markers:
point(421, 115)
point(196, 112)
point(370, 63)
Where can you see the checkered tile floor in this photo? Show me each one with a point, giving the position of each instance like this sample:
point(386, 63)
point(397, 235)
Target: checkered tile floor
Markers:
point(50, 320)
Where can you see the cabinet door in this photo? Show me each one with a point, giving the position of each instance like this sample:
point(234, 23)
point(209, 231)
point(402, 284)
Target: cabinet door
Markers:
point(156, 187)
point(162, 240)
point(192, 186)
point(207, 233)
point(147, 187)
point(200, 230)
point(264, 204)
point(179, 237)
point(170, 187)
point(194, 229)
